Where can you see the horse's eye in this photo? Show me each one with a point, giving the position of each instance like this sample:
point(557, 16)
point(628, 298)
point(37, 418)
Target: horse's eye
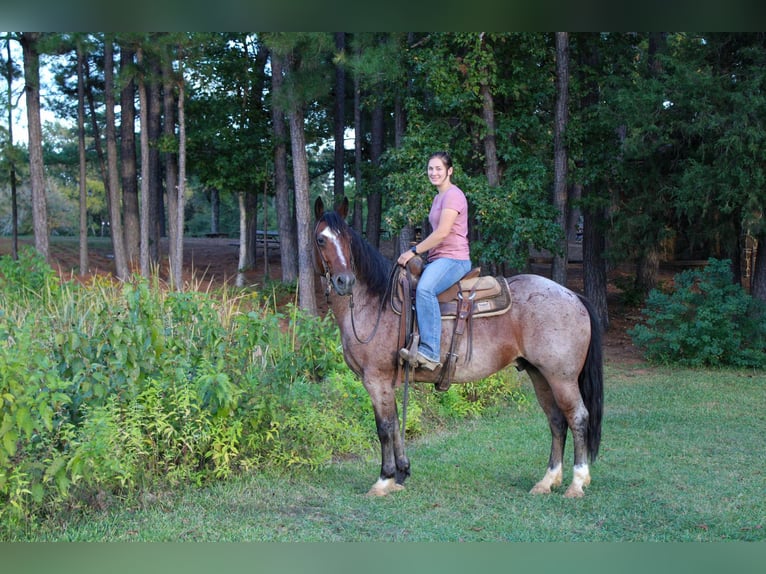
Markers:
point(320, 241)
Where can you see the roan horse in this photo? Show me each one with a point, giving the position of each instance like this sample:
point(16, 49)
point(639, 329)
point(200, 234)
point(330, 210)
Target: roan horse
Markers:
point(550, 332)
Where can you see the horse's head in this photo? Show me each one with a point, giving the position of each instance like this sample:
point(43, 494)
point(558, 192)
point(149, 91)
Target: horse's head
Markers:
point(332, 247)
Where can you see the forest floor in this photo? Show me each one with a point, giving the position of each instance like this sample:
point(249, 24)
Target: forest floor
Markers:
point(212, 262)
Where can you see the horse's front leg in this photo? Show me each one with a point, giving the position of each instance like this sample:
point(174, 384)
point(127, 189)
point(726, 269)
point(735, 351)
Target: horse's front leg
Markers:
point(395, 467)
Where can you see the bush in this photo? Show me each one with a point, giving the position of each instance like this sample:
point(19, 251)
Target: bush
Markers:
point(112, 389)
point(706, 320)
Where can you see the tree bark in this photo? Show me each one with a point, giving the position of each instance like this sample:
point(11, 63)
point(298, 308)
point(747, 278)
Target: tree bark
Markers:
point(758, 282)
point(170, 163)
point(359, 191)
point(12, 166)
point(560, 260)
point(593, 263)
point(181, 200)
point(128, 166)
point(29, 44)
point(115, 205)
point(154, 121)
point(375, 197)
point(339, 189)
point(288, 250)
point(242, 262)
point(144, 254)
point(84, 263)
point(306, 273)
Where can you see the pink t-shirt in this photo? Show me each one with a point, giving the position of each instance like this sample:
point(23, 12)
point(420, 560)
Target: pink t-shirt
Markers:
point(455, 245)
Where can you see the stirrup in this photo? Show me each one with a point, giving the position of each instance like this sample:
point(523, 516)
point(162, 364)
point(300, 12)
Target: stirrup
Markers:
point(410, 354)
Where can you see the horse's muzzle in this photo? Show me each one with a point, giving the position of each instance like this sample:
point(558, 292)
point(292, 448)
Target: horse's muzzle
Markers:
point(343, 283)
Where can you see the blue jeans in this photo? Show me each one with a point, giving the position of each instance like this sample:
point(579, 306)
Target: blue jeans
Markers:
point(438, 276)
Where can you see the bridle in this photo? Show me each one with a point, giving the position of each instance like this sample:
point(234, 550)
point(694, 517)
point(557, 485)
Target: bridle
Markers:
point(328, 278)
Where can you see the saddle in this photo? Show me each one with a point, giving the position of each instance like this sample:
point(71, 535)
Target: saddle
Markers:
point(472, 296)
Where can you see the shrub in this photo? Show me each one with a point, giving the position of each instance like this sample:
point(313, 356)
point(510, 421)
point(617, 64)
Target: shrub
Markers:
point(706, 320)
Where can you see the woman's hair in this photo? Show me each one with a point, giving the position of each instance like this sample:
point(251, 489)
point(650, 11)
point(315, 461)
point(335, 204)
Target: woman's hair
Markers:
point(444, 156)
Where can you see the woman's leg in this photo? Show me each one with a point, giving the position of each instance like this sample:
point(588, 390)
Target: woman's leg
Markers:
point(438, 276)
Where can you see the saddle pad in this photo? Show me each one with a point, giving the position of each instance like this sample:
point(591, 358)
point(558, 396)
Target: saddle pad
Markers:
point(491, 297)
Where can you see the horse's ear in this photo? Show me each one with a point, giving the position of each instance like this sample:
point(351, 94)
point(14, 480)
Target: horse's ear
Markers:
point(318, 208)
point(343, 208)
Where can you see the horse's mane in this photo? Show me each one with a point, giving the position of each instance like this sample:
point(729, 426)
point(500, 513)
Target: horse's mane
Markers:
point(370, 265)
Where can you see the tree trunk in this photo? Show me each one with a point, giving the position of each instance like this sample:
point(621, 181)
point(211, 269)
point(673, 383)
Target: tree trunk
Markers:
point(170, 163)
point(115, 205)
point(288, 251)
point(156, 203)
point(84, 263)
point(240, 281)
point(593, 262)
point(128, 165)
point(215, 211)
point(359, 192)
point(407, 233)
point(144, 255)
point(181, 200)
point(96, 130)
point(559, 269)
point(12, 166)
point(36, 168)
point(758, 282)
point(339, 189)
point(647, 269)
point(251, 225)
point(306, 285)
point(374, 197)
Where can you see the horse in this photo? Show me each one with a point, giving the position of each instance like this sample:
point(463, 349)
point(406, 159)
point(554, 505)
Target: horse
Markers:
point(550, 332)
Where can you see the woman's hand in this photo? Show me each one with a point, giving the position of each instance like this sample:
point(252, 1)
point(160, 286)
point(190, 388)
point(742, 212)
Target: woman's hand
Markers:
point(405, 258)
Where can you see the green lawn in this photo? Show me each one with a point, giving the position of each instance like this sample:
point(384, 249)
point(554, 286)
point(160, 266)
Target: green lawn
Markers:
point(681, 460)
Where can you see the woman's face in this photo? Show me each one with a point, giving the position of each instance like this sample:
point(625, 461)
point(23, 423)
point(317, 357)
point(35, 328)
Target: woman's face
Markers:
point(438, 173)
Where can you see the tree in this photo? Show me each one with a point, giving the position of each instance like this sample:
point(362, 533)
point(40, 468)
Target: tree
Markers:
point(128, 171)
point(113, 189)
point(305, 59)
point(83, 185)
point(30, 47)
point(560, 260)
point(288, 251)
point(12, 73)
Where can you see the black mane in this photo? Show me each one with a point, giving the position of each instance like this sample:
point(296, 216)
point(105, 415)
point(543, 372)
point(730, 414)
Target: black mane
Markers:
point(368, 263)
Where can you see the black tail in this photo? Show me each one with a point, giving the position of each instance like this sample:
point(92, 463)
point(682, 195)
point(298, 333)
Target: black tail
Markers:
point(591, 382)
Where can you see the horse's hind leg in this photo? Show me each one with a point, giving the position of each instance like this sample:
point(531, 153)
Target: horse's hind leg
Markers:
point(566, 409)
point(558, 426)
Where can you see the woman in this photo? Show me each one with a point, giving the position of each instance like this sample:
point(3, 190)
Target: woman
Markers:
point(448, 259)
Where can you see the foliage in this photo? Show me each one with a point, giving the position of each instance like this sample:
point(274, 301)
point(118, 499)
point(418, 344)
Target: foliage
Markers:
point(707, 320)
point(110, 391)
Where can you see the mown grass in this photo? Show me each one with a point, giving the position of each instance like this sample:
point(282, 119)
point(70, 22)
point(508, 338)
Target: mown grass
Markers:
point(681, 460)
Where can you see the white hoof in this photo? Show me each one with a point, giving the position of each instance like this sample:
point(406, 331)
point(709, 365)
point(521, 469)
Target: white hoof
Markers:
point(384, 486)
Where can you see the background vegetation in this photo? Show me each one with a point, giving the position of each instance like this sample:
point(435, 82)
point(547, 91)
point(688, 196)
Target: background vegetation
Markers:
point(678, 464)
point(113, 392)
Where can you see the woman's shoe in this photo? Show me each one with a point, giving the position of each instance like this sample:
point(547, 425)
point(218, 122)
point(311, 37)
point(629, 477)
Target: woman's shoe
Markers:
point(418, 360)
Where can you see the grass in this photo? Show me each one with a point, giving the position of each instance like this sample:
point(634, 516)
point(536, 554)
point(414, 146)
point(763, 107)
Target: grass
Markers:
point(681, 460)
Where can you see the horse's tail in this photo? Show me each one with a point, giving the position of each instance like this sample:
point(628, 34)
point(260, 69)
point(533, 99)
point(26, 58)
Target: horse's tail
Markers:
point(591, 382)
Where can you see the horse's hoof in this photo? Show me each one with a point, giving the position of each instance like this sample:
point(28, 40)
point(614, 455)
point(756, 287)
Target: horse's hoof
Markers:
point(574, 492)
point(540, 489)
point(384, 487)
